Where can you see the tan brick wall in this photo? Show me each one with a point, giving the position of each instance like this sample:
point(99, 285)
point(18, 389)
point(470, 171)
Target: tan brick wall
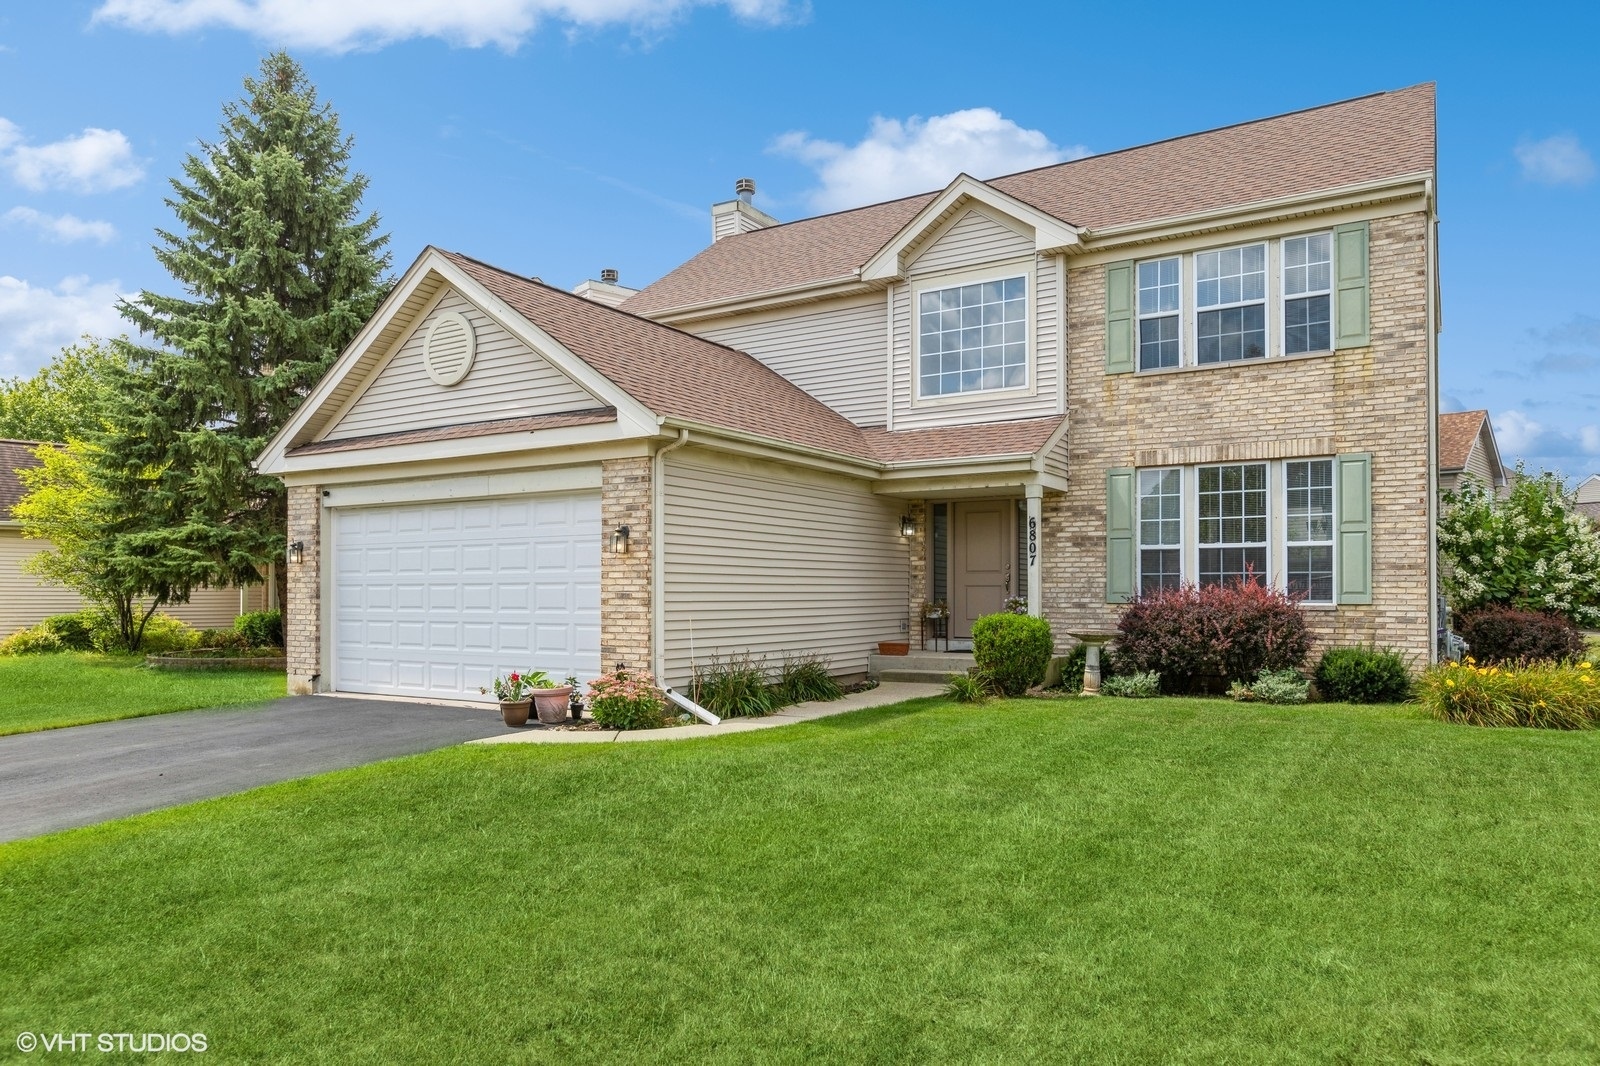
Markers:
point(625, 580)
point(302, 635)
point(917, 588)
point(1364, 399)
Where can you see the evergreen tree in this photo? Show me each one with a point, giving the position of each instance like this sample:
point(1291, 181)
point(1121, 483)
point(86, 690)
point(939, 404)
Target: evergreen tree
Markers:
point(279, 269)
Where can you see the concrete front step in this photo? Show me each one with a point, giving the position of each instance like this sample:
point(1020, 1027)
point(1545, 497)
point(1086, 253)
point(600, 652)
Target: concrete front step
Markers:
point(919, 665)
point(925, 677)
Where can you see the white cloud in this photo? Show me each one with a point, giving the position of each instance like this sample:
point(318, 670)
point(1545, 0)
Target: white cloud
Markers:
point(1558, 160)
point(37, 322)
point(1569, 451)
point(63, 229)
point(93, 161)
point(899, 158)
point(342, 25)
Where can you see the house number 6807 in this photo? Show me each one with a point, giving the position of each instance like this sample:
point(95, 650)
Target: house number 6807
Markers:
point(1033, 542)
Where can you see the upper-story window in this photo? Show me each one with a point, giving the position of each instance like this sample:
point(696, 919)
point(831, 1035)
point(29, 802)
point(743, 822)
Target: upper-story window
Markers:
point(974, 337)
point(1230, 304)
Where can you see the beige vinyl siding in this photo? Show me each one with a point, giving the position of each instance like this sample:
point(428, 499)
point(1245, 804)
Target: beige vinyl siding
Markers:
point(24, 601)
point(508, 380)
point(769, 559)
point(1589, 490)
point(1055, 460)
point(835, 352)
point(979, 246)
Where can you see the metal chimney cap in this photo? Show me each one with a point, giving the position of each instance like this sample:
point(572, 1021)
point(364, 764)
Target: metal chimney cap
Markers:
point(745, 188)
point(609, 275)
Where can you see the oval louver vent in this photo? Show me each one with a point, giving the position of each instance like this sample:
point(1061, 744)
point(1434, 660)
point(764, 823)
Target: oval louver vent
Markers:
point(448, 350)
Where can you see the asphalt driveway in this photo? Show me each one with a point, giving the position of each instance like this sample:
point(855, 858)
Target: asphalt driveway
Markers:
point(60, 778)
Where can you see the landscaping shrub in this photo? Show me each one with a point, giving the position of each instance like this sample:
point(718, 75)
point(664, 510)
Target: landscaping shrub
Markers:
point(163, 634)
point(1139, 686)
point(1543, 695)
point(1199, 639)
point(222, 639)
point(1363, 675)
point(626, 700)
point(968, 688)
point(1273, 686)
point(34, 640)
point(1013, 649)
point(734, 687)
point(1507, 635)
point(1073, 662)
point(804, 678)
point(75, 631)
point(260, 629)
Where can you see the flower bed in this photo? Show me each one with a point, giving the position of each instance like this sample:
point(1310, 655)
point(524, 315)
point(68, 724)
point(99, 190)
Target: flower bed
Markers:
point(1542, 695)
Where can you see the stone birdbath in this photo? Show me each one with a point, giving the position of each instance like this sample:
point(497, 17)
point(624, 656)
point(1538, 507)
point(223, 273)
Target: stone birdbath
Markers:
point(1092, 643)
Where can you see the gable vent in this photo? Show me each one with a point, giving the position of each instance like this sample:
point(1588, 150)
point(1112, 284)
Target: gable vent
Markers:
point(448, 349)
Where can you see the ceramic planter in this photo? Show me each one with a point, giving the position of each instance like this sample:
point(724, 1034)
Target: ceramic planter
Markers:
point(515, 712)
point(551, 704)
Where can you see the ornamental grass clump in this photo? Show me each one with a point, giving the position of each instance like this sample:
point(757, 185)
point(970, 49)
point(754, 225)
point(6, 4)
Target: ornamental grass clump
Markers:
point(627, 700)
point(806, 679)
point(735, 687)
point(1540, 695)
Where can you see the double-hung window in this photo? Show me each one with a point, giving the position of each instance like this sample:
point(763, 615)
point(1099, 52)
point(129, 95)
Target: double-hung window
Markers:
point(1232, 523)
point(1230, 289)
point(973, 338)
point(1160, 529)
point(1308, 528)
point(1160, 319)
point(1307, 293)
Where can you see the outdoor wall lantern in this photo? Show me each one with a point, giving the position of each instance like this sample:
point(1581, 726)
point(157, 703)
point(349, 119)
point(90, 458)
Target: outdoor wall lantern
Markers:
point(619, 541)
point(908, 525)
point(297, 553)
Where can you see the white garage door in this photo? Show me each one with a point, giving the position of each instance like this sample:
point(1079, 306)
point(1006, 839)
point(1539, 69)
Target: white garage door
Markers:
point(437, 599)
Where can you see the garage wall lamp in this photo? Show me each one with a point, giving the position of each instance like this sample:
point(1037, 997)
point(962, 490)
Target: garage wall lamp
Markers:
point(908, 526)
point(297, 553)
point(619, 541)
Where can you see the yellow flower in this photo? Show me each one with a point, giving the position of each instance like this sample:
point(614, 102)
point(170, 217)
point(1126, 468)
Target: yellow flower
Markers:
point(1449, 682)
point(1585, 666)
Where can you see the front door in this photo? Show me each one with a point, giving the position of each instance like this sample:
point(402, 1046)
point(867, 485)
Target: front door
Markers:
point(983, 542)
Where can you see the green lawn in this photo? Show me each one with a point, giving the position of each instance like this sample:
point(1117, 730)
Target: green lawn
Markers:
point(1029, 881)
point(71, 688)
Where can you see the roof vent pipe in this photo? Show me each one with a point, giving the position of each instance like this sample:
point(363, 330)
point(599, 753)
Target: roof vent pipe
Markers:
point(745, 189)
point(609, 275)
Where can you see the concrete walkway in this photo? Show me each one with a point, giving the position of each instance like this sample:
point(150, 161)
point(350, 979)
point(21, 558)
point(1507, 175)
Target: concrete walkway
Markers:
point(886, 693)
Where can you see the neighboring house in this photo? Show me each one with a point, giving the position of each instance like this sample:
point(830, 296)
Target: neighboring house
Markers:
point(1175, 363)
point(1467, 451)
point(24, 600)
point(1588, 497)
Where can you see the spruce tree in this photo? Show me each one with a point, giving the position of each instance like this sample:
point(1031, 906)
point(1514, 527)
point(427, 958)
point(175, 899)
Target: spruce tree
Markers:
point(279, 268)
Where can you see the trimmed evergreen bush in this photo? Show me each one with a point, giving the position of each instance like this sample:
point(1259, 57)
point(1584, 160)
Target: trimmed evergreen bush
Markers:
point(260, 629)
point(1199, 639)
point(1013, 650)
point(1363, 675)
point(1508, 635)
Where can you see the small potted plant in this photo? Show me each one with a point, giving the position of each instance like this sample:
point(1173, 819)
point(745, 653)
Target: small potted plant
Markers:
point(515, 693)
point(549, 701)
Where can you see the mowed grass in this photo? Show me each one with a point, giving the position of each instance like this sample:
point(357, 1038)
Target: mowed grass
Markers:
point(73, 688)
point(1026, 881)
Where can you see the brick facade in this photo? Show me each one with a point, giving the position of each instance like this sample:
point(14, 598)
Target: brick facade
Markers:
point(1372, 399)
point(625, 580)
point(302, 636)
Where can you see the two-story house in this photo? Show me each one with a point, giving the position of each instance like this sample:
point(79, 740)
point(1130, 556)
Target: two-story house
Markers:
point(1189, 361)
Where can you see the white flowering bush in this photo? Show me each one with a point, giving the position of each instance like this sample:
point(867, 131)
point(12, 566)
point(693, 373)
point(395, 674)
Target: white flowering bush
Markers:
point(1531, 550)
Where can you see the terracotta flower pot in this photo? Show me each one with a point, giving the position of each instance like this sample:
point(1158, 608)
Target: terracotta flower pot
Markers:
point(552, 704)
point(894, 647)
point(515, 712)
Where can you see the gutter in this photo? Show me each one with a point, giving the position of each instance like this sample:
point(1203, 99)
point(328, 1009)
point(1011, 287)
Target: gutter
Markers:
point(658, 563)
point(1433, 422)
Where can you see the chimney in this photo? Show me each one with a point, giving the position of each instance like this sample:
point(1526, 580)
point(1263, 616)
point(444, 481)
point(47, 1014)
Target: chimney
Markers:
point(608, 275)
point(605, 291)
point(739, 215)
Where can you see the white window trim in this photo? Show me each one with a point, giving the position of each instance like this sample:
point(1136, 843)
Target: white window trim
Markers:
point(1139, 317)
point(1265, 302)
point(1185, 478)
point(1333, 539)
point(1274, 540)
point(1005, 271)
point(1284, 296)
point(1272, 315)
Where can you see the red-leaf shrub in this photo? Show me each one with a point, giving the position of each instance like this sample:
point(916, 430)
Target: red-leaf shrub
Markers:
point(1200, 639)
point(1507, 635)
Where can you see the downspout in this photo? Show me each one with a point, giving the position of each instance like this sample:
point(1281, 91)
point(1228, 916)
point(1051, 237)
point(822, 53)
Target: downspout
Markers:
point(658, 562)
point(1434, 618)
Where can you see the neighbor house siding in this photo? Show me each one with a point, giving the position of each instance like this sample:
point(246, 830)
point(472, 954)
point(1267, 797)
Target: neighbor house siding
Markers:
point(978, 245)
point(508, 380)
point(836, 352)
point(24, 601)
point(769, 559)
point(1368, 399)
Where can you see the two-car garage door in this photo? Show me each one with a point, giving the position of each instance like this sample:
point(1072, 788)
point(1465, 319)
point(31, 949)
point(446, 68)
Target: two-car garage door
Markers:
point(436, 599)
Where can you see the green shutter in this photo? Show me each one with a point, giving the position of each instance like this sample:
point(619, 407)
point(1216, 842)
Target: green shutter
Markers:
point(1352, 478)
point(1119, 535)
point(1119, 317)
point(1350, 290)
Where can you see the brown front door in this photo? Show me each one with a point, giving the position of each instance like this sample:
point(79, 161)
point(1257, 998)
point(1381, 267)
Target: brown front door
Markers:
point(983, 550)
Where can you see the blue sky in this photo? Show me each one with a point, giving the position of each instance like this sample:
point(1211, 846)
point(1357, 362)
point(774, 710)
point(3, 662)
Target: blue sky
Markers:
point(557, 137)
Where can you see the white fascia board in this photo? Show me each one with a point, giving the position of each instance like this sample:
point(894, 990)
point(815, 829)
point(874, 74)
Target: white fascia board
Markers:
point(968, 482)
point(1050, 234)
point(498, 444)
point(1143, 232)
point(733, 440)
